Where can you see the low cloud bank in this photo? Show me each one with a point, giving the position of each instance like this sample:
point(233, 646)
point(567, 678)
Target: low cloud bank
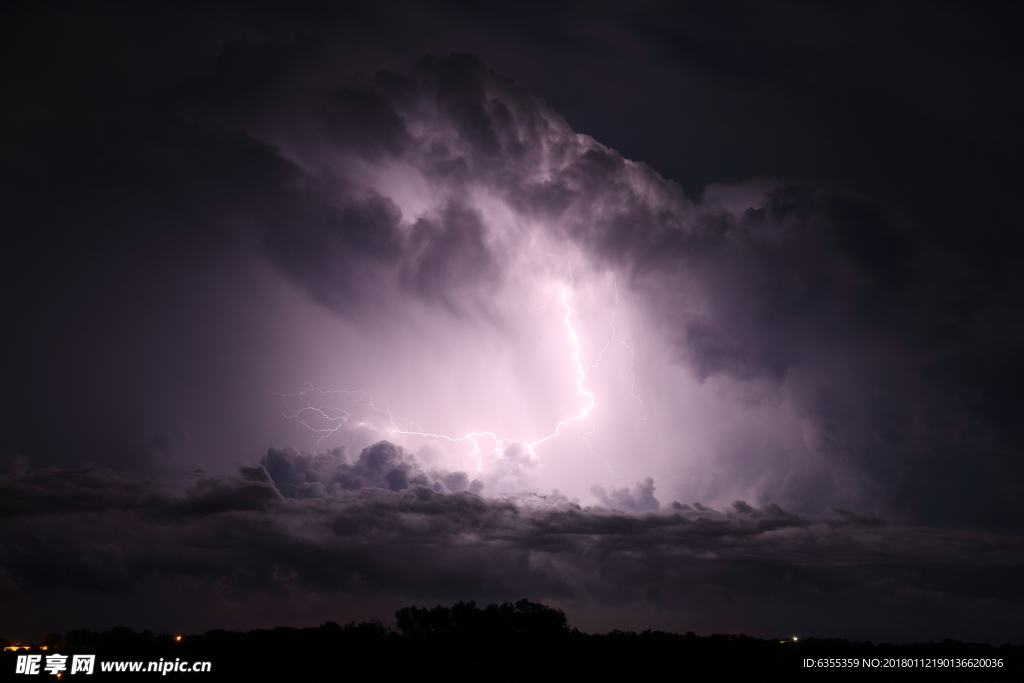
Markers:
point(93, 531)
point(382, 465)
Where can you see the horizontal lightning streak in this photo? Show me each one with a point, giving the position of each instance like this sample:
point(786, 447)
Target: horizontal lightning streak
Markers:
point(323, 433)
point(567, 300)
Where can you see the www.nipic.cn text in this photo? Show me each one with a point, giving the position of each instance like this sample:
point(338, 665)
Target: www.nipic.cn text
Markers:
point(86, 664)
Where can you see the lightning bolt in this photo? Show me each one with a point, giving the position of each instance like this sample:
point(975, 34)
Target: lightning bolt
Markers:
point(335, 418)
point(338, 421)
point(568, 303)
point(570, 310)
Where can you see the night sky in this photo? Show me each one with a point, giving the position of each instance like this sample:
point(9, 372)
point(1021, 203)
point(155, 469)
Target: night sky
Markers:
point(695, 316)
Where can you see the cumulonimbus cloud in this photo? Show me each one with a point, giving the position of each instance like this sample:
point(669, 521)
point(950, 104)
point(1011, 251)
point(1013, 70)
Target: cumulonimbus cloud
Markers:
point(450, 183)
point(451, 187)
point(455, 188)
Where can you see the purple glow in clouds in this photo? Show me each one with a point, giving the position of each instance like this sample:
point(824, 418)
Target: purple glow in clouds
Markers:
point(320, 411)
point(313, 344)
point(443, 229)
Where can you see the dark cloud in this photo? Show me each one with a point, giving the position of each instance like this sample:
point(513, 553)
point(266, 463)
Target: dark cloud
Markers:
point(448, 252)
point(381, 465)
point(339, 248)
point(238, 534)
point(641, 498)
point(56, 491)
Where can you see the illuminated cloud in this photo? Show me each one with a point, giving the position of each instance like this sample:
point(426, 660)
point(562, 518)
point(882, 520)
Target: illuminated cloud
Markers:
point(382, 465)
point(768, 341)
point(464, 200)
point(414, 336)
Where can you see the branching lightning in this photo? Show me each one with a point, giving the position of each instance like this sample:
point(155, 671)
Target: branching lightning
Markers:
point(338, 421)
point(335, 418)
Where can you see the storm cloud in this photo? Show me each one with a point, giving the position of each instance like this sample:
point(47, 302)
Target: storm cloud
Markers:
point(323, 328)
point(240, 536)
point(809, 298)
point(381, 465)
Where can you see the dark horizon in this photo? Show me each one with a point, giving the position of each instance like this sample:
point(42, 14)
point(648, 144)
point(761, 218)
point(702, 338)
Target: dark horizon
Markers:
point(524, 638)
point(675, 316)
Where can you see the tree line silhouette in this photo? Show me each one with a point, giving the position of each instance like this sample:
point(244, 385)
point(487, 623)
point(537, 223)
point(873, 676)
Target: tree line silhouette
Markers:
point(514, 641)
